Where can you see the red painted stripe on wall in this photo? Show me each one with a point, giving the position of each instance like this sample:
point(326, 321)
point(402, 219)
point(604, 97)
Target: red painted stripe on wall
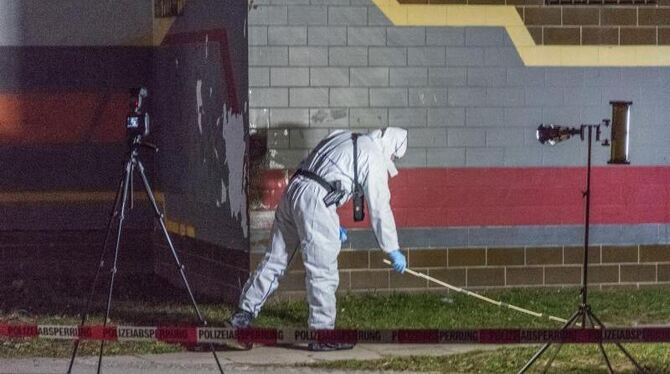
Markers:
point(62, 117)
point(430, 197)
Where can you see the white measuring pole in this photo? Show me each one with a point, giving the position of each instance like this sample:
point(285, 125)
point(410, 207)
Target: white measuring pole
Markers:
point(480, 297)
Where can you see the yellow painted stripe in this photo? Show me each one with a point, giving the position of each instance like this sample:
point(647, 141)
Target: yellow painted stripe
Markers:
point(70, 196)
point(161, 28)
point(531, 54)
point(182, 229)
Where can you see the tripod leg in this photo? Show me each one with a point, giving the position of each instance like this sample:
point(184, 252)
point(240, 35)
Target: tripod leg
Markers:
point(553, 357)
point(544, 347)
point(630, 358)
point(122, 213)
point(590, 315)
point(180, 266)
point(621, 348)
point(534, 358)
point(101, 263)
point(558, 349)
point(607, 360)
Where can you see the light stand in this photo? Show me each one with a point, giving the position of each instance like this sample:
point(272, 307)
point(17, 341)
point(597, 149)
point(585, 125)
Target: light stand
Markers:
point(584, 313)
point(121, 203)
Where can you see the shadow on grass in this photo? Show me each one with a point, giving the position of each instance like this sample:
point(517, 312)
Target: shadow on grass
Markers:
point(137, 299)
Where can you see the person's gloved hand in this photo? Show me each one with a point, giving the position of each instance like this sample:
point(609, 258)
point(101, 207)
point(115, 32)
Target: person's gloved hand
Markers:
point(343, 234)
point(398, 260)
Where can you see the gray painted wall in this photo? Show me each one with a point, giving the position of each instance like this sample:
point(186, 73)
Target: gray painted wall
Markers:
point(203, 134)
point(201, 150)
point(463, 92)
point(75, 22)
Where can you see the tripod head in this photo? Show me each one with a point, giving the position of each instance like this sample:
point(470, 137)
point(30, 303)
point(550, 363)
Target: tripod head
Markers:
point(137, 120)
point(619, 123)
point(552, 134)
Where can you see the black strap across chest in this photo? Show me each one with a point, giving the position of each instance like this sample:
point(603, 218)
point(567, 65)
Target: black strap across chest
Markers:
point(357, 186)
point(316, 178)
point(330, 187)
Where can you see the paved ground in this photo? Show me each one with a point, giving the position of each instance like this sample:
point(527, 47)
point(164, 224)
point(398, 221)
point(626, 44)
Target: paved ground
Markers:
point(260, 360)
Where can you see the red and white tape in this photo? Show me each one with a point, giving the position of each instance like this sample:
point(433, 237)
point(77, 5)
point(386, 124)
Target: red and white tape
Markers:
point(195, 335)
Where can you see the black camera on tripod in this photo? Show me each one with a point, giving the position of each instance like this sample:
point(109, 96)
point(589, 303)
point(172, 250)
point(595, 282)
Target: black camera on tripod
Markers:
point(137, 121)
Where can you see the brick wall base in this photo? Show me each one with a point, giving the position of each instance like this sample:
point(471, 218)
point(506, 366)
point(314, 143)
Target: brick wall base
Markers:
point(214, 273)
point(632, 266)
point(48, 268)
point(63, 254)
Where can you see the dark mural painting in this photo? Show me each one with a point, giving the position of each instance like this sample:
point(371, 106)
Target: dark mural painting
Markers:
point(205, 132)
point(63, 104)
point(201, 90)
point(63, 140)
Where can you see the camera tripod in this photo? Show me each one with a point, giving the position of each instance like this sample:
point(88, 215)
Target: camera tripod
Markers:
point(121, 203)
point(584, 315)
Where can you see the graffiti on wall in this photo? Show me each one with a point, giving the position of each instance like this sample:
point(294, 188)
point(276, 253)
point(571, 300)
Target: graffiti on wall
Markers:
point(204, 168)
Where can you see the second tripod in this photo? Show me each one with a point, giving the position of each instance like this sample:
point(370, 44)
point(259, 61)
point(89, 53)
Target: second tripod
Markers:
point(122, 203)
point(584, 316)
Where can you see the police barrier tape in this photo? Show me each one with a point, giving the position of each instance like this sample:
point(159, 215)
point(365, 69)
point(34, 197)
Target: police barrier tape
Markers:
point(195, 335)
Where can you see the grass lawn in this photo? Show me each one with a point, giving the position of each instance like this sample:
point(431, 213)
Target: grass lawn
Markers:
point(615, 308)
point(445, 311)
point(584, 359)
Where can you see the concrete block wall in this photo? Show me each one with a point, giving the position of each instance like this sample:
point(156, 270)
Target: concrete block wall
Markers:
point(472, 108)
point(461, 91)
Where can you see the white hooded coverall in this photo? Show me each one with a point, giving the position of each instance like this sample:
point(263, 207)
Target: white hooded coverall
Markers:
point(303, 220)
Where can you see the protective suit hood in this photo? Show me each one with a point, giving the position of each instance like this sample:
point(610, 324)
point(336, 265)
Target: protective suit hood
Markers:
point(393, 142)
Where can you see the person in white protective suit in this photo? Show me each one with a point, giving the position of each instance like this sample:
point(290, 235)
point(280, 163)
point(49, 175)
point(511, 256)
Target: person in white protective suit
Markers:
point(303, 220)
